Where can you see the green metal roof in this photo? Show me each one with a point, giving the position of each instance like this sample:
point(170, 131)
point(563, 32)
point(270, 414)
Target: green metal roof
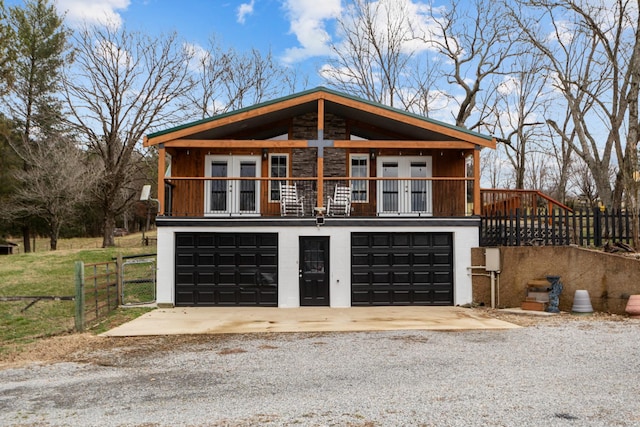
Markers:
point(314, 90)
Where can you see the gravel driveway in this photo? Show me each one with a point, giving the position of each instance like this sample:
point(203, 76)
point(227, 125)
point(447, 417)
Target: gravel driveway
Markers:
point(579, 373)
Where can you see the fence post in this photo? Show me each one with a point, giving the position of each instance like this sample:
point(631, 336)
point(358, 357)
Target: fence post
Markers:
point(597, 227)
point(119, 271)
point(79, 315)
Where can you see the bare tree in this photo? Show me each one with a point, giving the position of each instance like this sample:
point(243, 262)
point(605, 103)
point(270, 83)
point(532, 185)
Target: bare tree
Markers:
point(374, 52)
point(209, 67)
point(518, 112)
point(561, 151)
point(594, 54)
point(124, 84)
point(592, 50)
point(421, 94)
point(494, 167)
point(253, 77)
point(54, 184)
point(477, 41)
point(227, 80)
point(39, 50)
point(539, 176)
point(581, 180)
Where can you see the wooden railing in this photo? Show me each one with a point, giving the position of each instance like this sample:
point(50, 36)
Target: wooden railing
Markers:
point(433, 196)
point(494, 200)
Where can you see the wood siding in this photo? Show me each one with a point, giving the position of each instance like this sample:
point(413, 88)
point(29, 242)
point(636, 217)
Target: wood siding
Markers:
point(187, 196)
point(449, 197)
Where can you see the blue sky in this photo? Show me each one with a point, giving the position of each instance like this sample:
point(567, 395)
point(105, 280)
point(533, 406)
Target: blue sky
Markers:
point(262, 26)
point(294, 30)
point(297, 32)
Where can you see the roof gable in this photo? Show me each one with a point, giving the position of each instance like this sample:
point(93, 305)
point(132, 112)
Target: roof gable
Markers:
point(275, 113)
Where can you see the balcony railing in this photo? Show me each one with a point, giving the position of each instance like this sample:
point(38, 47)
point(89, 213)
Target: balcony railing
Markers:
point(238, 197)
point(496, 200)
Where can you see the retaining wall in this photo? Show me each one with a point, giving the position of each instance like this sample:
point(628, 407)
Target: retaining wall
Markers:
point(609, 278)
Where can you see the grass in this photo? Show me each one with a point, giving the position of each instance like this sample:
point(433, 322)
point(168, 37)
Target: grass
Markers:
point(51, 273)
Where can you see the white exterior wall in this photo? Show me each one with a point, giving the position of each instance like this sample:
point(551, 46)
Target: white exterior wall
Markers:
point(165, 276)
point(464, 238)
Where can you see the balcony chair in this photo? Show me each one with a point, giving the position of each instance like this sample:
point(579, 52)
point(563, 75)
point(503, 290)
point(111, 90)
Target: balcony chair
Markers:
point(340, 203)
point(290, 203)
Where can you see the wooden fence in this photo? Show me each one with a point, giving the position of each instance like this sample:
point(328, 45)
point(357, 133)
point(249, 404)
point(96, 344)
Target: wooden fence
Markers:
point(594, 227)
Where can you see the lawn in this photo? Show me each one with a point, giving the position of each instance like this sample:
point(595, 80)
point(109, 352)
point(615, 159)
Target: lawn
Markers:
point(51, 273)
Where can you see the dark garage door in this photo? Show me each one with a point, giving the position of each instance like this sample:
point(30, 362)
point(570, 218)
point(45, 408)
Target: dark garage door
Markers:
point(226, 269)
point(401, 269)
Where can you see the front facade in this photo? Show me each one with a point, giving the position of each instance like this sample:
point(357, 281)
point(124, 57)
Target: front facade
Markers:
point(317, 199)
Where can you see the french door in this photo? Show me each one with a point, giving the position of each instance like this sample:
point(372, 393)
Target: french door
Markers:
point(405, 193)
point(226, 196)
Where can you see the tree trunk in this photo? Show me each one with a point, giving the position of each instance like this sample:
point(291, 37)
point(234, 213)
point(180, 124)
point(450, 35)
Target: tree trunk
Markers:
point(54, 233)
point(108, 225)
point(25, 239)
point(603, 185)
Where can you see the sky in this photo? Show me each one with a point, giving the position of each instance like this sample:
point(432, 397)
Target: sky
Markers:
point(296, 31)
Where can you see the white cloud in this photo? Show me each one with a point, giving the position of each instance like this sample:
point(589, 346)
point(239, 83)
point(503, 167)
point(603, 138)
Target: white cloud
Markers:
point(565, 32)
point(198, 55)
point(509, 85)
point(103, 12)
point(245, 9)
point(307, 22)
point(113, 53)
point(331, 73)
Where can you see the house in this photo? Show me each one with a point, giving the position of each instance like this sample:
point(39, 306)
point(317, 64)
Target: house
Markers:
point(247, 204)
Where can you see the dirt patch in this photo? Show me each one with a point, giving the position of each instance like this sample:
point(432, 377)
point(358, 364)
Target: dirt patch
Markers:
point(119, 351)
point(89, 348)
point(530, 319)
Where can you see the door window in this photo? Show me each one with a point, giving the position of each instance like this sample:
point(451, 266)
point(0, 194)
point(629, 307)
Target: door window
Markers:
point(227, 196)
point(408, 193)
point(313, 254)
point(278, 168)
point(390, 188)
point(218, 193)
point(359, 168)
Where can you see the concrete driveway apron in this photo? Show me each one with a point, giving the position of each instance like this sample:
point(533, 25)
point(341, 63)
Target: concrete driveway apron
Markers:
point(238, 320)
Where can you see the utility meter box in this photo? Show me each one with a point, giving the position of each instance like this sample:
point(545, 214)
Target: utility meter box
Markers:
point(492, 259)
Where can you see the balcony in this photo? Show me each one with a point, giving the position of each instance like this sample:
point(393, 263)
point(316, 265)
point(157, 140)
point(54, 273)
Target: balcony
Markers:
point(370, 197)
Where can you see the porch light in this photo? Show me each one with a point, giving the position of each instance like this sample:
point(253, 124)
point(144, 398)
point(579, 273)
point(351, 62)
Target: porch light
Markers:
point(265, 153)
point(372, 154)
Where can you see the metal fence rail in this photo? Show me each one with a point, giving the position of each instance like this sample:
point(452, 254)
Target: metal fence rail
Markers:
point(138, 281)
point(96, 291)
point(100, 287)
point(557, 227)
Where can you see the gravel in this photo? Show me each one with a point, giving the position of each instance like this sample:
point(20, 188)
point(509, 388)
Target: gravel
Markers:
point(579, 373)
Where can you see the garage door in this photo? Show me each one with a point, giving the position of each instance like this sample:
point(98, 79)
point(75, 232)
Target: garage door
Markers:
point(226, 269)
point(401, 269)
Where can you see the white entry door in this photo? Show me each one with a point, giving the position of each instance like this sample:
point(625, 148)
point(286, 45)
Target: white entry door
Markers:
point(232, 196)
point(401, 195)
